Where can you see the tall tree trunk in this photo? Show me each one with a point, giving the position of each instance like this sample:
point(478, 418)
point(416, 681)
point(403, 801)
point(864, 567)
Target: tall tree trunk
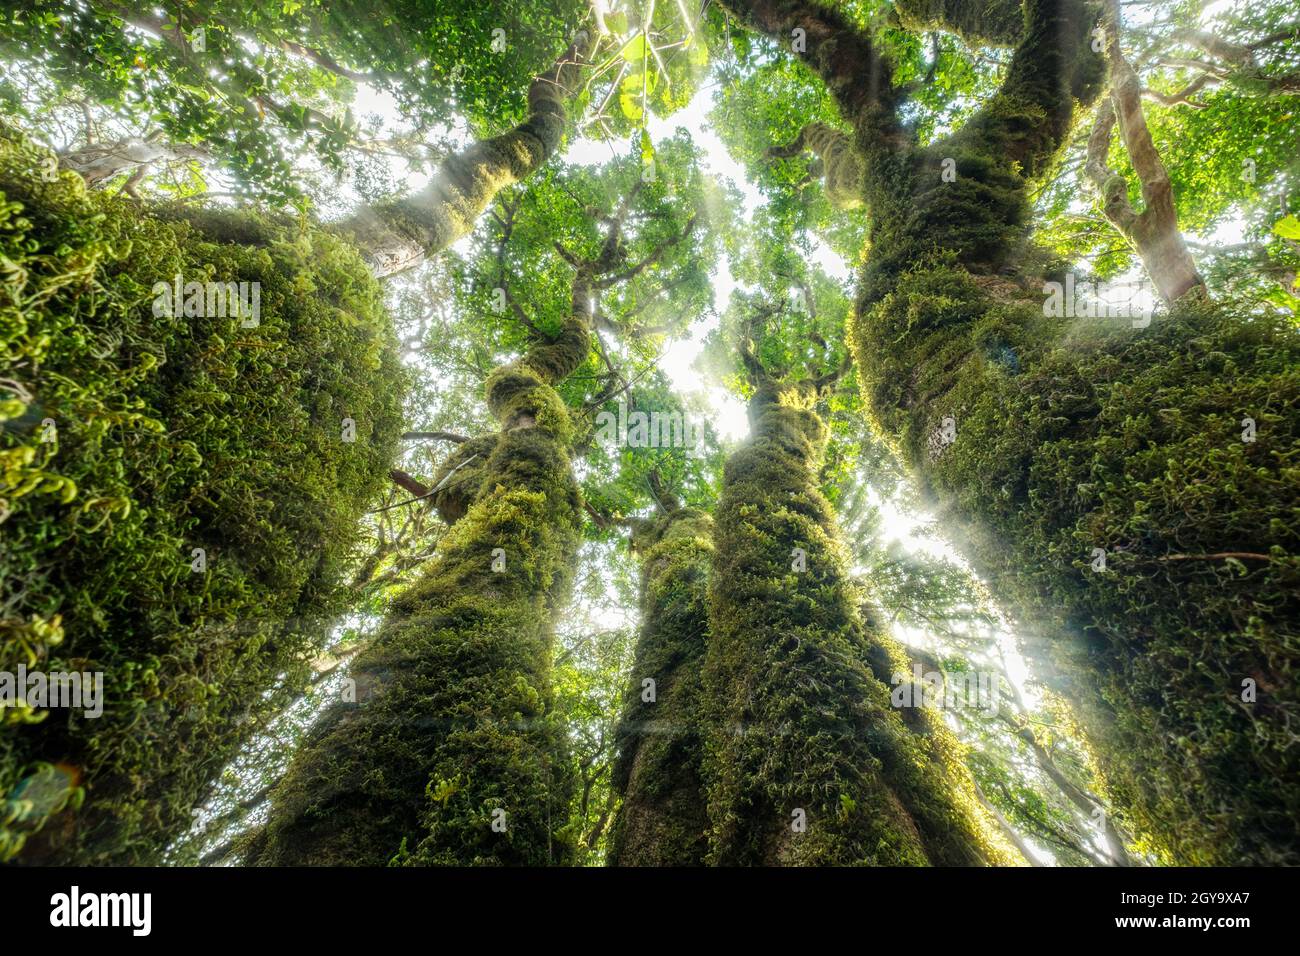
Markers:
point(663, 819)
point(1132, 488)
point(399, 234)
point(450, 754)
point(807, 761)
point(211, 472)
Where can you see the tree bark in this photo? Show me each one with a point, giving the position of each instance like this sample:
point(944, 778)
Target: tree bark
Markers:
point(98, 162)
point(1154, 232)
point(1069, 435)
point(983, 22)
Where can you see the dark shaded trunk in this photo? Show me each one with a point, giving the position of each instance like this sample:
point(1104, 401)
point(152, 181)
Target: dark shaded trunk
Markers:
point(978, 22)
point(663, 819)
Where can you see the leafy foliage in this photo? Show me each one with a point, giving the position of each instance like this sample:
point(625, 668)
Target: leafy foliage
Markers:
point(258, 81)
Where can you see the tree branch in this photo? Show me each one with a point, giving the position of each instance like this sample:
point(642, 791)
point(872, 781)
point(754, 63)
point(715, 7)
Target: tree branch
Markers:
point(1155, 230)
point(327, 62)
point(649, 260)
point(405, 481)
point(436, 436)
point(858, 75)
point(978, 22)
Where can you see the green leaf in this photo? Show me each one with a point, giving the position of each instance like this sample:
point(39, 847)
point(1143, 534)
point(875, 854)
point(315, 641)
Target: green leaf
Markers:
point(1288, 227)
point(631, 105)
point(636, 49)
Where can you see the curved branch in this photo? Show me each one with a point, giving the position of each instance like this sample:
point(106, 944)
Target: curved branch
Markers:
point(840, 162)
point(1109, 184)
point(1155, 230)
point(655, 255)
point(397, 235)
point(858, 75)
point(1183, 96)
point(978, 22)
point(327, 62)
point(1053, 68)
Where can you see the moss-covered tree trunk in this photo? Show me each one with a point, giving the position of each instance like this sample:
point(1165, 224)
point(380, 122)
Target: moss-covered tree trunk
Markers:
point(180, 482)
point(450, 752)
point(1130, 485)
point(401, 233)
point(807, 761)
point(663, 818)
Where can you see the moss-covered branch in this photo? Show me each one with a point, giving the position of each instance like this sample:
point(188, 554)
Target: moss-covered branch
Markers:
point(399, 234)
point(986, 22)
point(1054, 67)
point(969, 192)
point(838, 162)
point(856, 71)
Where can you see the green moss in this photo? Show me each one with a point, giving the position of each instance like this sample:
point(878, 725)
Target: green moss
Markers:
point(967, 194)
point(459, 479)
point(663, 819)
point(1080, 434)
point(452, 730)
point(400, 232)
point(1076, 435)
point(936, 784)
point(978, 23)
point(837, 161)
point(801, 722)
point(171, 434)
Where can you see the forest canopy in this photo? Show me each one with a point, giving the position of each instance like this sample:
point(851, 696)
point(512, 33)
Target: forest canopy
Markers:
point(650, 432)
